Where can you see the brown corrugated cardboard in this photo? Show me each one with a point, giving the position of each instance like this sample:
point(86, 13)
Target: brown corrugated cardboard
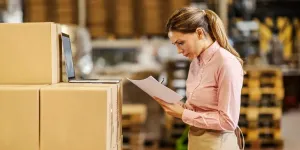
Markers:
point(36, 13)
point(98, 30)
point(3, 4)
point(29, 53)
point(19, 117)
point(124, 18)
point(80, 116)
point(117, 100)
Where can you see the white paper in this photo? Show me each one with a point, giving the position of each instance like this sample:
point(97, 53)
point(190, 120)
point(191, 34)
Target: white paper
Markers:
point(156, 89)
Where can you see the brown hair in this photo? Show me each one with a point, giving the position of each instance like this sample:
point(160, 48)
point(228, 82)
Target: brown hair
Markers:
point(188, 19)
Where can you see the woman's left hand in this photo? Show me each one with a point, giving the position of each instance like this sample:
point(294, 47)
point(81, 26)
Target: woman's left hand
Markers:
point(174, 109)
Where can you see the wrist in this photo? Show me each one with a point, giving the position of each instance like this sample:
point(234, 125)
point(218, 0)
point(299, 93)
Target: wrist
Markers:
point(181, 113)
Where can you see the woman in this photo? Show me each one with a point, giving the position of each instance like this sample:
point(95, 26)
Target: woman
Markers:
point(214, 81)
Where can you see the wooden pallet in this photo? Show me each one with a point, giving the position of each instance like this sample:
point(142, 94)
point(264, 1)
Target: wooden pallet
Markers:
point(174, 123)
point(261, 133)
point(251, 83)
point(253, 94)
point(258, 72)
point(128, 147)
point(133, 129)
point(256, 93)
point(271, 82)
point(174, 128)
point(265, 102)
point(176, 134)
point(255, 113)
point(133, 114)
point(151, 145)
point(147, 145)
point(263, 97)
point(264, 145)
point(260, 123)
point(277, 92)
point(133, 141)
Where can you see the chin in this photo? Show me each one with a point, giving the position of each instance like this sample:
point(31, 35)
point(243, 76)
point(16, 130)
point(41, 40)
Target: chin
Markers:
point(191, 57)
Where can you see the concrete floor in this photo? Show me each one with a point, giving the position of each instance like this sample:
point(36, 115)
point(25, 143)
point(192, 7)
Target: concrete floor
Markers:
point(291, 130)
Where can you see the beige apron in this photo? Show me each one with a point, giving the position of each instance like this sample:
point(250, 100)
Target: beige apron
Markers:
point(203, 139)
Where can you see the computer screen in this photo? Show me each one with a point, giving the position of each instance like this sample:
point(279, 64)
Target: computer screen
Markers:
point(68, 56)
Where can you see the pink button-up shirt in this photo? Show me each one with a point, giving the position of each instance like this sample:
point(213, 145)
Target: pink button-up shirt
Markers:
point(214, 87)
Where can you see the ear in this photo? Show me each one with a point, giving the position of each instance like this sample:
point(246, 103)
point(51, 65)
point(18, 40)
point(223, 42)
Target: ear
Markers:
point(200, 33)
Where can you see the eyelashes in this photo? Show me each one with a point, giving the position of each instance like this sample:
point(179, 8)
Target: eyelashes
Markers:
point(181, 43)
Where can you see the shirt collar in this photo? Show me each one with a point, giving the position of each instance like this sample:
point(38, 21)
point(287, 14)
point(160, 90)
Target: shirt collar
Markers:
point(208, 53)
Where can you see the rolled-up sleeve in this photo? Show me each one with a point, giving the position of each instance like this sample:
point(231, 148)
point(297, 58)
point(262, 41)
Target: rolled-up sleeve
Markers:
point(229, 81)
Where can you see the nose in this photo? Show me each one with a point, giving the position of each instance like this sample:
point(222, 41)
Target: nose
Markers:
point(179, 50)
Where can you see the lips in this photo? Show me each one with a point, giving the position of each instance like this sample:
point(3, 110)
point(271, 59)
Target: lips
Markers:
point(185, 55)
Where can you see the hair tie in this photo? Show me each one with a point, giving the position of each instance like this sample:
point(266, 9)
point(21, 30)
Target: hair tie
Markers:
point(204, 12)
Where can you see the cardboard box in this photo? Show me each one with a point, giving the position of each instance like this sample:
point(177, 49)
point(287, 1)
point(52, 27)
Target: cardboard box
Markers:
point(96, 15)
point(97, 30)
point(29, 53)
point(3, 4)
point(177, 4)
point(35, 2)
point(65, 16)
point(19, 117)
point(124, 21)
point(96, 12)
point(80, 116)
point(65, 3)
point(36, 13)
point(95, 3)
point(118, 103)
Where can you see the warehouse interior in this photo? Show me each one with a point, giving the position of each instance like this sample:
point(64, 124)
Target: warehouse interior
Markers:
point(126, 39)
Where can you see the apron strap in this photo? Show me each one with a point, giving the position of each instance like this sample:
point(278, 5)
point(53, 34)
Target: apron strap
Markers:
point(241, 141)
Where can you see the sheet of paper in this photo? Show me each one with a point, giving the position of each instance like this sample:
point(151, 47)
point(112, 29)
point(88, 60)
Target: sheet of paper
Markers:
point(154, 88)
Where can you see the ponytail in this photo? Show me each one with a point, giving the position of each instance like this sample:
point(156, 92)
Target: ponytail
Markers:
point(219, 33)
point(188, 19)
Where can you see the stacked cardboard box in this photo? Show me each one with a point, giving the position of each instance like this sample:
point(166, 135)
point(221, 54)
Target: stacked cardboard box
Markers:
point(176, 4)
point(19, 116)
point(60, 11)
point(36, 10)
point(124, 18)
point(65, 11)
point(29, 53)
point(60, 116)
point(96, 17)
point(80, 116)
point(152, 15)
point(29, 58)
point(3, 4)
point(152, 20)
point(39, 113)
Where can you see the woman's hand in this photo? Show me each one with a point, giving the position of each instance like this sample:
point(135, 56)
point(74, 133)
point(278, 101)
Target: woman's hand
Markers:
point(174, 110)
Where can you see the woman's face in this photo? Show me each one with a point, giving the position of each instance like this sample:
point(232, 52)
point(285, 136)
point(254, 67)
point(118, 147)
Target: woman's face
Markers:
point(188, 44)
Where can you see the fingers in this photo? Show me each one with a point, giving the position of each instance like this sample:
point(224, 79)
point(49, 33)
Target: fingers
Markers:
point(157, 99)
point(160, 101)
point(165, 106)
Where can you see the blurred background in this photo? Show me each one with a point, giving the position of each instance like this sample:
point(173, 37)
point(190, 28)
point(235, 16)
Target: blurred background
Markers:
point(126, 39)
